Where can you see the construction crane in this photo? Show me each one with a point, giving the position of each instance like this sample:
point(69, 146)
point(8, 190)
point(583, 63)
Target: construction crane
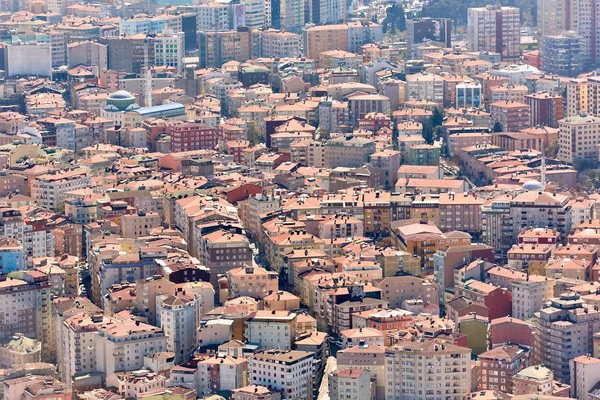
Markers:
point(148, 41)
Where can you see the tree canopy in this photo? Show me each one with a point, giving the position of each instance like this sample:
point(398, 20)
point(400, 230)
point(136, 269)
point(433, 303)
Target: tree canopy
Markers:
point(395, 20)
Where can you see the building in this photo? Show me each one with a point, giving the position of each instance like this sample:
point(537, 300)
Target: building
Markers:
point(468, 94)
point(498, 365)
point(446, 364)
point(347, 151)
point(578, 138)
point(562, 332)
point(360, 105)
point(546, 109)
point(30, 58)
point(535, 379)
point(287, 15)
point(49, 189)
point(290, 372)
point(221, 372)
point(420, 30)
point(511, 116)
point(218, 48)
point(29, 316)
point(271, 329)
point(346, 37)
point(252, 281)
point(169, 50)
point(563, 54)
point(584, 376)
point(11, 255)
point(19, 350)
point(350, 383)
point(495, 29)
point(178, 315)
point(190, 136)
point(279, 44)
point(424, 86)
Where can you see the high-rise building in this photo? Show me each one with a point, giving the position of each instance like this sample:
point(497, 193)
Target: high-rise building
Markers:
point(496, 29)
point(169, 50)
point(179, 316)
point(563, 54)
point(553, 16)
point(217, 48)
point(546, 108)
point(419, 30)
point(287, 15)
point(563, 331)
point(427, 369)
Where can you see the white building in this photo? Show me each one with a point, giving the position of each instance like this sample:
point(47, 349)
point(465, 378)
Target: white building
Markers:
point(585, 373)
point(29, 59)
point(350, 384)
point(215, 332)
point(255, 13)
point(49, 189)
point(290, 372)
point(213, 16)
point(495, 29)
point(578, 138)
point(272, 329)
point(425, 87)
point(122, 346)
point(169, 50)
point(426, 370)
point(178, 316)
point(221, 372)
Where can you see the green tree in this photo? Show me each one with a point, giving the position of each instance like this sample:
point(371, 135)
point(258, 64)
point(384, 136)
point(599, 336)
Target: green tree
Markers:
point(428, 135)
point(395, 135)
point(395, 20)
point(437, 118)
point(497, 127)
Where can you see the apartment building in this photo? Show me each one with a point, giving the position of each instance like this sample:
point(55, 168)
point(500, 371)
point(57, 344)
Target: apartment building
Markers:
point(139, 224)
point(290, 372)
point(368, 358)
point(221, 372)
point(49, 190)
point(546, 109)
point(19, 350)
point(498, 365)
point(271, 329)
point(535, 379)
point(425, 86)
point(578, 138)
point(222, 251)
point(252, 281)
point(584, 376)
point(495, 29)
point(350, 384)
point(562, 332)
point(511, 116)
point(346, 37)
point(427, 369)
point(347, 151)
point(179, 315)
point(218, 48)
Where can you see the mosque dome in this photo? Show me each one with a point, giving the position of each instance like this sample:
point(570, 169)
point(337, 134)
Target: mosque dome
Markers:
point(532, 185)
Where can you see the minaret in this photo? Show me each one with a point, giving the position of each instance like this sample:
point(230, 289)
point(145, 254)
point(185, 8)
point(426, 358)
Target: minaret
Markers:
point(148, 94)
point(543, 172)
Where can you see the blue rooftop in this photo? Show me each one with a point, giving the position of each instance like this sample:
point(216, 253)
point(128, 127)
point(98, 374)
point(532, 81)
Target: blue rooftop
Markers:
point(161, 108)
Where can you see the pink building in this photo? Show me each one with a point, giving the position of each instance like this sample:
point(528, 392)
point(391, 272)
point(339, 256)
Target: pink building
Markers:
point(512, 116)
